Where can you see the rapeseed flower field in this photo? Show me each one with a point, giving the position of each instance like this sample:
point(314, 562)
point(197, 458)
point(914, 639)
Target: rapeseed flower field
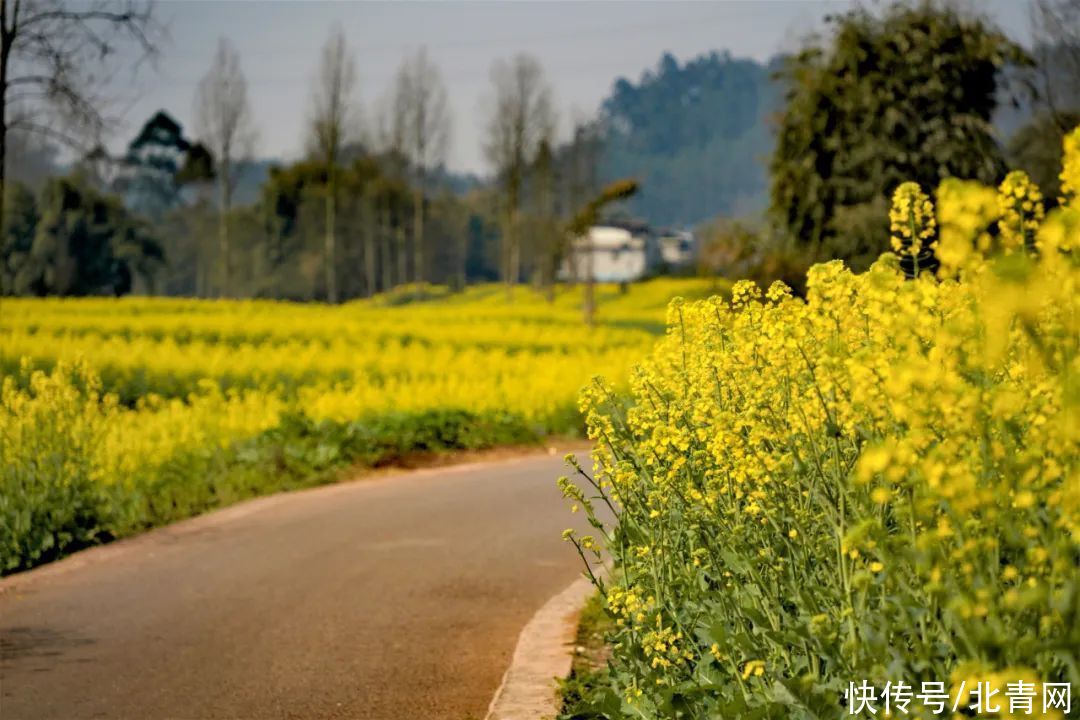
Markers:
point(876, 486)
point(120, 414)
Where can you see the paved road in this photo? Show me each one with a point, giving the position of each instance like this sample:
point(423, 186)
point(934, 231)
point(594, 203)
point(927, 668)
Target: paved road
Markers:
point(398, 598)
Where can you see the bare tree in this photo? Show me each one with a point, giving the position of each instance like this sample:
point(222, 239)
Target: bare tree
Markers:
point(420, 96)
point(332, 127)
point(223, 119)
point(521, 117)
point(547, 245)
point(54, 61)
point(392, 138)
point(581, 158)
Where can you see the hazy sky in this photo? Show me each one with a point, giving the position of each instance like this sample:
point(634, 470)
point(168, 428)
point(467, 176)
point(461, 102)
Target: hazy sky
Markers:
point(583, 46)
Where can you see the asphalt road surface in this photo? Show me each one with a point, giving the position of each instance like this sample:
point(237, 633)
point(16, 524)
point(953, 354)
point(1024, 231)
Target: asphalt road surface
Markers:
point(399, 598)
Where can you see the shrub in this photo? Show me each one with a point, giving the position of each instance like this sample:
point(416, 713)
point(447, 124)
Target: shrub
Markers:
point(50, 498)
point(736, 250)
point(74, 471)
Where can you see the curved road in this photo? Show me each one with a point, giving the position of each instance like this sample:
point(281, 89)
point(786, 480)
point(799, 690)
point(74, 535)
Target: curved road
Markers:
point(398, 597)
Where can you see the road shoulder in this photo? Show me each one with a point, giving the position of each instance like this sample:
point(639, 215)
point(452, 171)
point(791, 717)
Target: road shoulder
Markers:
point(543, 655)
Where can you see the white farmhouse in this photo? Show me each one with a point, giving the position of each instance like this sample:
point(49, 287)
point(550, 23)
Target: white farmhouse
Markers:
point(678, 248)
point(616, 254)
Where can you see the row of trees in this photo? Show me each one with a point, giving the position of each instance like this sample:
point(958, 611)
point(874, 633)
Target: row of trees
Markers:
point(913, 92)
point(909, 92)
point(365, 210)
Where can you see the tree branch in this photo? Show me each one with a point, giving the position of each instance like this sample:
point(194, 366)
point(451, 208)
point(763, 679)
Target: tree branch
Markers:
point(79, 16)
point(51, 132)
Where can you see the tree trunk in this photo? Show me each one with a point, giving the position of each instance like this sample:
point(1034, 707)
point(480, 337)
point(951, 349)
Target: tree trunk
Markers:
point(590, 289)
point(549, 289)
point(418, 235)
point(463, 258)
point(369, 246)
point(513, 255)
point(223, 229)
point(331, 242)
point(200, 273)
point(6, 37)
point(515, 260)
point(402, 253)
point(550, 262)
point(385, 255)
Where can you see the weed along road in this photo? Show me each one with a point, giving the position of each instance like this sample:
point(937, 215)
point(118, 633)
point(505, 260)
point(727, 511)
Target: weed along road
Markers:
point(398, 597)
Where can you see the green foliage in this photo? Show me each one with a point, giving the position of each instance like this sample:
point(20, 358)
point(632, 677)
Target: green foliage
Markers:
point(300, 452)
point(283, 193)
point(586, 691)
point(17, 238)
point(75, 241)
point(51, 503)
point(907, 95)
point(373, 199)
point(414, 293)
point(49, 500)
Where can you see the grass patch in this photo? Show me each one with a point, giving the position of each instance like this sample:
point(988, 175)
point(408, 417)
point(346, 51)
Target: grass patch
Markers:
point(51, 506)
point(585, 690)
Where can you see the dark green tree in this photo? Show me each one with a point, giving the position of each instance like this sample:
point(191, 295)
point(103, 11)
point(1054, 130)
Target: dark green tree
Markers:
point(17, 240)
point(87, 243)
point(903, 95)
point(154, 157)
point(289, 202)
point(56, 58)
point(159, 162)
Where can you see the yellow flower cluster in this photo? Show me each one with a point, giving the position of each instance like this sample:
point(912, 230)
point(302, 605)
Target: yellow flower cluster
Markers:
point(966, 210)
point(1021, 207)
point(911, 221)
point(1070, 169)
point(878, 482)
point(662, 645)
point(135, 441)
point(115, 393)
point(628, 606)
point(473, 352)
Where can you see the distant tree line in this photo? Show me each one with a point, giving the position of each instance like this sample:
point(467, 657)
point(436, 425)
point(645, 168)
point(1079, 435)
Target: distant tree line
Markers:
point(697, 136)
point(909, 91)
point(367, 209)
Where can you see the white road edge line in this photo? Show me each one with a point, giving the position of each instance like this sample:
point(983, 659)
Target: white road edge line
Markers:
point(544, 652)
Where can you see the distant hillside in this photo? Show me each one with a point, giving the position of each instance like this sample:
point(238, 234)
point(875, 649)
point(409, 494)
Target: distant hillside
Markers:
point(697, 136)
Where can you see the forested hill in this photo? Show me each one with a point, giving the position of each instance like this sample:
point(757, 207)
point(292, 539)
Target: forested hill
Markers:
point(697, 135)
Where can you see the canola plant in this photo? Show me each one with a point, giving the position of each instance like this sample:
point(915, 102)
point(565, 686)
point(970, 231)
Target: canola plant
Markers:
point(826, 505)
point(120, 414)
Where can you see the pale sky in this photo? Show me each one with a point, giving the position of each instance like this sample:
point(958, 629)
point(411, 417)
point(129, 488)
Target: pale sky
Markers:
point(583, 46)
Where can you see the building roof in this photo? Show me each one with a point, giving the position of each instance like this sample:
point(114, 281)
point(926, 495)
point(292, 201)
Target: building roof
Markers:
point(605, 237)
